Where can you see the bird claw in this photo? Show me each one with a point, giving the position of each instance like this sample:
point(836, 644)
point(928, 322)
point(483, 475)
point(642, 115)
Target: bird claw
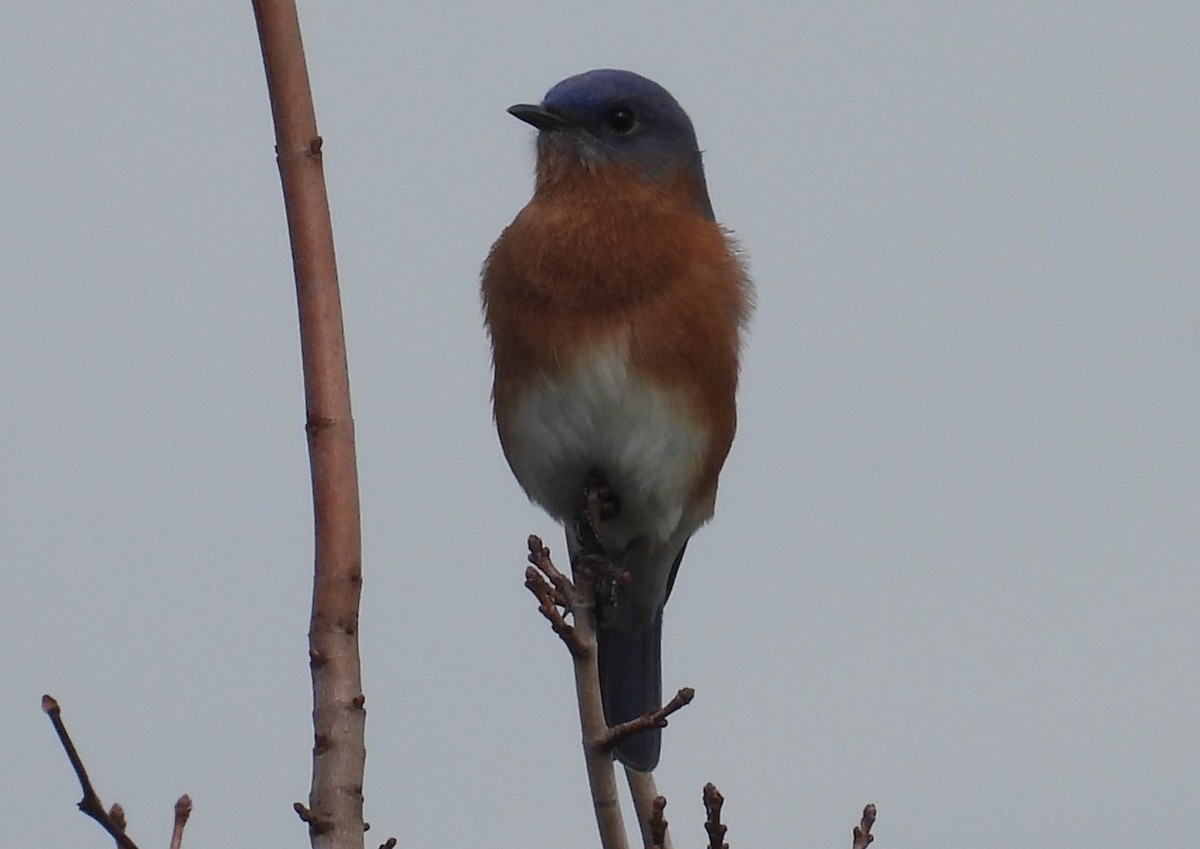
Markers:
point(598, 506)
point(602, 502)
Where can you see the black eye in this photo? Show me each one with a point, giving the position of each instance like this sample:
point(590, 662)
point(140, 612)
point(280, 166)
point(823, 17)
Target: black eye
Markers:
point(621, 120)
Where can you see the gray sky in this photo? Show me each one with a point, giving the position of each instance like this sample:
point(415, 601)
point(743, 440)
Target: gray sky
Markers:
point(953, 569)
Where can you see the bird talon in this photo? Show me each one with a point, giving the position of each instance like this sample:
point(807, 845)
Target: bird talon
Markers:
point(602, 502)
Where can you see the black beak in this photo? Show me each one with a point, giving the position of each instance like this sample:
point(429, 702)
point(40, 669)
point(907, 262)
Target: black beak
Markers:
point(539, 116)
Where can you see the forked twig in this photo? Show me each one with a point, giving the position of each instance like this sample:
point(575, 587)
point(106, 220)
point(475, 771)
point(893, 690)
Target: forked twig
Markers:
point(559, 596)
point(556, 594)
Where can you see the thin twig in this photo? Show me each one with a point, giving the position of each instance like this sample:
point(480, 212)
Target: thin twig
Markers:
point(183, 810)
point(90, 804)
point(651, 719)
point(658, 824)
point(555, 594)
point(564, 590)
point(713, 800)
point(862, 831)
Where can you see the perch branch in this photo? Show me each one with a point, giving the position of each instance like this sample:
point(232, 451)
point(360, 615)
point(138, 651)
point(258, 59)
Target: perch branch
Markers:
point(587, 564)
point(556, 596)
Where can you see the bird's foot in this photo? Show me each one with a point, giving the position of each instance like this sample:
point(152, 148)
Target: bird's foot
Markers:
point(600, 499)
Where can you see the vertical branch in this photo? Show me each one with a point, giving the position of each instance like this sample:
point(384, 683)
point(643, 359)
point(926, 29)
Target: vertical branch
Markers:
point(334, 811)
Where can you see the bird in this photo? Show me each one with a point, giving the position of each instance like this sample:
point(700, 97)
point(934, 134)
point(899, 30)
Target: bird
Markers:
point(616, 307)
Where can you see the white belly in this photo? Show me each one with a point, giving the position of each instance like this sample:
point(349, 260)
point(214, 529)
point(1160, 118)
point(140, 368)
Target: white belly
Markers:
point(637, 434)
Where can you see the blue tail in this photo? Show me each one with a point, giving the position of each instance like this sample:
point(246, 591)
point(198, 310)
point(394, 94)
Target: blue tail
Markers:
point(631, 685)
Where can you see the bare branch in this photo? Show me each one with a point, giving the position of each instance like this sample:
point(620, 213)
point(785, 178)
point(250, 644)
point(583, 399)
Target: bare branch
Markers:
point(862, 831)
point(334, 813)
point(90, 804)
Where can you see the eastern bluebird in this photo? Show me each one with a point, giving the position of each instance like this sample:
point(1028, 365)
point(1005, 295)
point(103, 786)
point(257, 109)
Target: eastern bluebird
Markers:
point(615, 305)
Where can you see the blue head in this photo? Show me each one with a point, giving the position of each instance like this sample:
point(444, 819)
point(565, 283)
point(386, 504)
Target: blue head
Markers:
point(609, 117)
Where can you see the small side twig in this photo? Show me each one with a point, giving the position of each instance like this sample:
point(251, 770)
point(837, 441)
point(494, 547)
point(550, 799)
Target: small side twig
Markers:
point(315, 824)
point(556, 594)
point(90, 804)
point(713, 800)
point(862, 831)
point(648, 804)
point(118, 817)
point(183, 810)
point(658, 823)
point(652, 719)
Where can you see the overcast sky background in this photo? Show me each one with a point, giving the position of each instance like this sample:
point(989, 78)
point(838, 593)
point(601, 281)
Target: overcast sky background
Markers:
point(954, 566)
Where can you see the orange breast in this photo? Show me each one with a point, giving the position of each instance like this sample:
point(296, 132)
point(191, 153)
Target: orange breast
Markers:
point(607, 259)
